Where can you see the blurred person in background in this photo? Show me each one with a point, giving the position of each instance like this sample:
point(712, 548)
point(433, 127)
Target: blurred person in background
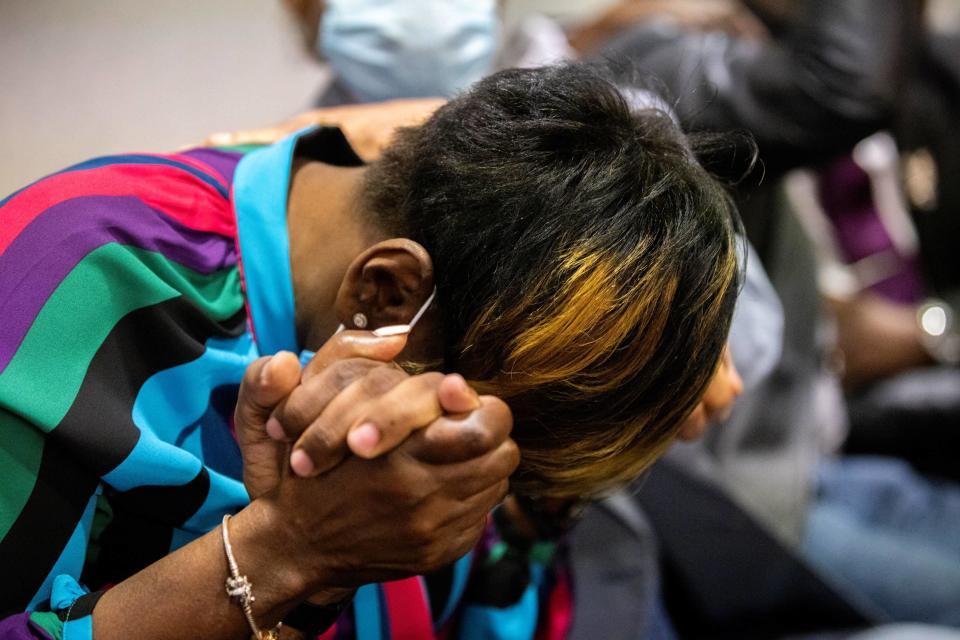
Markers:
point(830, 74)
point(381, 49)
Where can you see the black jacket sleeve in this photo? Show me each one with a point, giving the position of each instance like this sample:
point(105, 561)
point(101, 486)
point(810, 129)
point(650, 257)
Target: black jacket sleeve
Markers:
point(830, 80)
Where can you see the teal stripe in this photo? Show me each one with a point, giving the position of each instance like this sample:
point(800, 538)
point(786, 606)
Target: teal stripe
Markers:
point(71, 560)
point(66, 591)
point(461, 572)
point(516, 622)
point(368, 613)
point(153, 462)
point(260, 187)
point(171, 401)
point(81, 629)
point(226, 495)
point(175, 398)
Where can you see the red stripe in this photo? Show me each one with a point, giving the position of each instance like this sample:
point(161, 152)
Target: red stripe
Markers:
point(243, 282)
point(556, 624)
point(408, 610)
point(173, 191)
point(197, 164)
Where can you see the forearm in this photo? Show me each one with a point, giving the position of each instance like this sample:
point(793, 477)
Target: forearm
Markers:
point(183, 594)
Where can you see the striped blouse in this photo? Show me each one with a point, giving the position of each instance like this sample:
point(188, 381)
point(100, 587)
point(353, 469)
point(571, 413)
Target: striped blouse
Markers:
point(127, 319)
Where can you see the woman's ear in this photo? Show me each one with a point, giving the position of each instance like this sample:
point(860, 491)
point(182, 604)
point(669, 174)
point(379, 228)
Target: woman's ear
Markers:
point(385, 285)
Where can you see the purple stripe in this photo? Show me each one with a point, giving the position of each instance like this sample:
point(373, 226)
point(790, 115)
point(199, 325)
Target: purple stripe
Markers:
point(223, 162)
point(42, 255)
point(19, 627)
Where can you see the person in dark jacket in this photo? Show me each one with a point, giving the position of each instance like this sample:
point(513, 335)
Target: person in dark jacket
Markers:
point(827, 78)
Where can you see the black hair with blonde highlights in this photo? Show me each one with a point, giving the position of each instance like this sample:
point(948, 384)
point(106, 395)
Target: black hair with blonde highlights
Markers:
point(586, 265)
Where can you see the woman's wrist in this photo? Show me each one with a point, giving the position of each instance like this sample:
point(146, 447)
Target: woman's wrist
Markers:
point(184, 594)
point(275, 562)
point(273, 547)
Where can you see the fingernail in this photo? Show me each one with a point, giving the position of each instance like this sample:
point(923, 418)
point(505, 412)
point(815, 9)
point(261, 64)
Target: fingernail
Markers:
point(392, 330)
point(265, 372)
point(364, 439)
point(465, 388)
point(461, 384)
point(301, 463)
point(275, 429)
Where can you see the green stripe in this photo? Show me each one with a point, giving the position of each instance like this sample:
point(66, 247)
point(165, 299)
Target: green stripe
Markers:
point(20, 453)
point(43, 378)
point(241, 148)
point(49, 622)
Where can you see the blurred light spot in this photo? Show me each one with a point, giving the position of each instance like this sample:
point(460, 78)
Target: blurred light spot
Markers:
point(934, 321)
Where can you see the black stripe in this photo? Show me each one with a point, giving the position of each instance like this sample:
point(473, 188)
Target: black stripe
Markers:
point(142, 528)
point(439, 585)
point(99, 427)
point(81, 607)
point(96, 434)
point(42, 529)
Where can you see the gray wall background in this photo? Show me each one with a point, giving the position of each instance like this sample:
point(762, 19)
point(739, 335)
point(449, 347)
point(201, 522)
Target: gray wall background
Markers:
point(80, 78)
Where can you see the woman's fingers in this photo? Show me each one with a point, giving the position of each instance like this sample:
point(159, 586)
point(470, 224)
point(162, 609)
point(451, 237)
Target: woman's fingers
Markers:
point(456, 396)
point(308, 400)
point(352, 397)
point(458, 438)
point(265, 383)
point(355, 344)
point(381, 412)
point(476, 476)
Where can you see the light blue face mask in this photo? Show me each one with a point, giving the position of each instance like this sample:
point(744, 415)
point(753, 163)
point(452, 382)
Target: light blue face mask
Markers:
point(384, 49)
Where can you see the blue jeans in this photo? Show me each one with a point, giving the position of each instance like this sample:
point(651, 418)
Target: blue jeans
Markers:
point(888, 536)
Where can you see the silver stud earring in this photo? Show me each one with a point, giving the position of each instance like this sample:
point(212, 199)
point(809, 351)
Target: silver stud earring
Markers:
point(359, 320)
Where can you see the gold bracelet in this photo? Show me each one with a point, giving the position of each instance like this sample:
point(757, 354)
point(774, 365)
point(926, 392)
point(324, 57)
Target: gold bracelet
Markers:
point(241, 591)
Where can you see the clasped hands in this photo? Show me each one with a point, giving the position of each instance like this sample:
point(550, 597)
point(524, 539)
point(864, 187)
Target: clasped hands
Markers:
point(364, 472)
